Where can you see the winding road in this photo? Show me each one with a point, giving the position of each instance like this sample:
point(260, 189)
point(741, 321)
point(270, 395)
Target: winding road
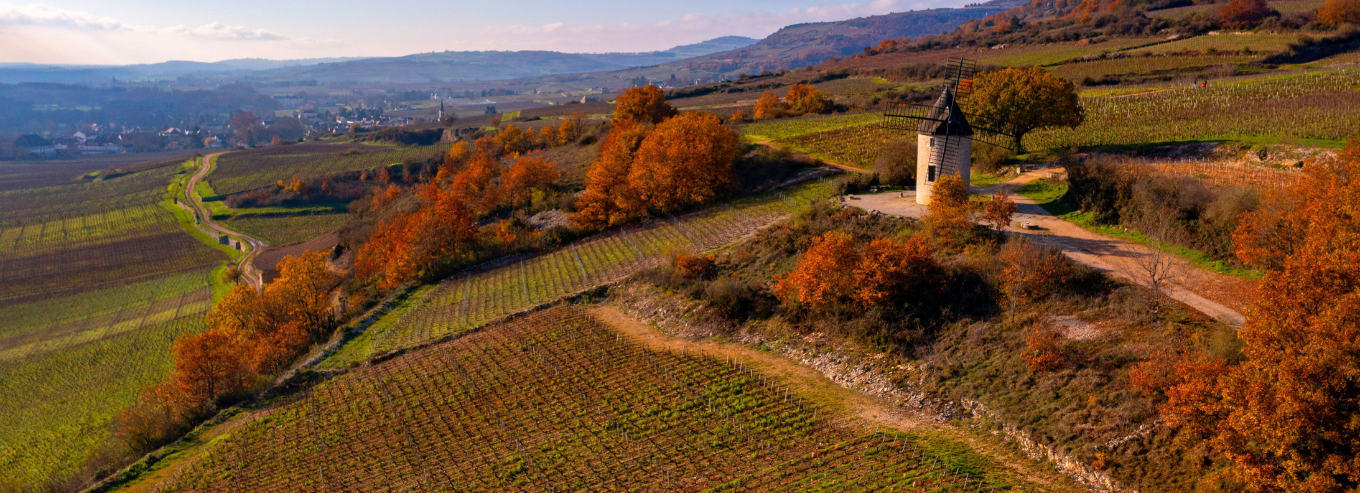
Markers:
point(1219, 296)
point(205, 223)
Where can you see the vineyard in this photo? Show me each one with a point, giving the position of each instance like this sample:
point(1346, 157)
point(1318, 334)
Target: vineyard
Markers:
point(284, 229)
point(514, 284)
point(788, 128)
point(96, 281)
point(1317, 106)
point(558, 401)
point(64, 255)
point(1230, 175)
point(1148, 66)
point(241, 171)
point(70, 364)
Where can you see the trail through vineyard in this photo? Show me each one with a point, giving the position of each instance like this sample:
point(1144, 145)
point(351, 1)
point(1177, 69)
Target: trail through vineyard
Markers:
point(1217, 295)
point(205, 219)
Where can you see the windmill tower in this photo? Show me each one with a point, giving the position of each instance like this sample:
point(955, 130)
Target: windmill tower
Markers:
point(944, 135)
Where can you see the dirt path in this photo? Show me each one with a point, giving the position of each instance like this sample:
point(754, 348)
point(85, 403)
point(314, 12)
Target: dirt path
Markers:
point(206, 223)
point(1216, 295)
point(852, 408)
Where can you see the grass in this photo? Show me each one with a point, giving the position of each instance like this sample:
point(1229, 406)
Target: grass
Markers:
point(980, 179)
point(1049, 195)
point(1267, 43)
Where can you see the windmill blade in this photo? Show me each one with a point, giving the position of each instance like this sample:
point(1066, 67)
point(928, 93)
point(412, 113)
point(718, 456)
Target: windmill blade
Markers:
point(907, 117)
point(959, 76)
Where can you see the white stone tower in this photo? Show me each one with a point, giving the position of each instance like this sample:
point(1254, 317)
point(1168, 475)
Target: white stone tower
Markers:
point(944, 146)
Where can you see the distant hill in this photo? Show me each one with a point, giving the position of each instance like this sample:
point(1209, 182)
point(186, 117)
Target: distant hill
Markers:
point(87, 74)
point(424, 67)
point(452, 66)
point(808, 44)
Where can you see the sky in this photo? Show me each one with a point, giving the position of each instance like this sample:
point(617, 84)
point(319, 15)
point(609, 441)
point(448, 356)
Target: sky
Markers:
point(150, 31)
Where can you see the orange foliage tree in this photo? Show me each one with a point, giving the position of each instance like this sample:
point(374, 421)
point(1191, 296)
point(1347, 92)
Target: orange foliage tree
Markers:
point(512, 140)
point(1032, 272)
point(1335, 12)
point(1042, 350)
point(1288, 416)
point(645, 104)
point(570, 130)
point(834, 274)
point(888, 269)
point(606, 200)
point(998, 211)
point(769, 106)
point(949, 220)
point(1243, 14)
point(824, 276)
point(807, 100)
point(684, 161)
point(526, 175)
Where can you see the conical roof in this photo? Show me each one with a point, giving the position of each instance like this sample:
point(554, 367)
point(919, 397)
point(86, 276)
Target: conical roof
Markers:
point(946, 118)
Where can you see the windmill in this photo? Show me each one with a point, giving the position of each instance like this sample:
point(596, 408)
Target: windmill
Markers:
point(944, 135)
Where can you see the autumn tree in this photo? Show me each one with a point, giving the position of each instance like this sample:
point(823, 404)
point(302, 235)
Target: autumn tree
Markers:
point(570, 129)
point(889, 269)
point(547, 136)
point(302, 291)
point(824, 275)
point(246, 127)
point(1244, 14)
point(645, 104)
point(998, 211)
point(512, 140)
point(607, 199)
point(529, 173)
point(769, 106)
point(805, 99)
point(1267, 236)
point(1030, 272)
point(834, 273)
point(949, 220)
point(686, 160)
point(1042, 350)
point(208, 366)
point(1288, 416)
point(1336, 12)
point(1021, 100)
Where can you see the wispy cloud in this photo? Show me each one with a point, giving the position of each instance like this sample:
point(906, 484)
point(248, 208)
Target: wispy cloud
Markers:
point(43, 15)
point(44, 34)
point(218, 30)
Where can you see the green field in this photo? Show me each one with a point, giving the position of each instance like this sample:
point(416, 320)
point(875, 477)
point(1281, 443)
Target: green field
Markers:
point(788, 128)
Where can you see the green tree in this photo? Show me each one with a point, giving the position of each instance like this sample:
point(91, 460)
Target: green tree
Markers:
point(1022, 100)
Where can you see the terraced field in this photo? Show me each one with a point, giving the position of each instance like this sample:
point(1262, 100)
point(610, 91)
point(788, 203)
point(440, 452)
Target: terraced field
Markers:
point(558, 401)
point(513, 284)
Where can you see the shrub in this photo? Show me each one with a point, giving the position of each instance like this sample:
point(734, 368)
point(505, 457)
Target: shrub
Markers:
point(1042, 352)
point(696, 266)
point(1032, 272)
point(896, 164)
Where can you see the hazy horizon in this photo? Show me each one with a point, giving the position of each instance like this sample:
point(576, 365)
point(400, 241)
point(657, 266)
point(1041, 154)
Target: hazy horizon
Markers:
point(85, 32)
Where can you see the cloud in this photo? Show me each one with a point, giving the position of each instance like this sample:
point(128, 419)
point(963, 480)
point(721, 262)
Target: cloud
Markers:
point(218, 30)
point(43, 15)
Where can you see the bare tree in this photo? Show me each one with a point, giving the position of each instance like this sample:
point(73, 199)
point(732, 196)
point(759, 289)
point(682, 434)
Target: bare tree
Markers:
point(1159, 267)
